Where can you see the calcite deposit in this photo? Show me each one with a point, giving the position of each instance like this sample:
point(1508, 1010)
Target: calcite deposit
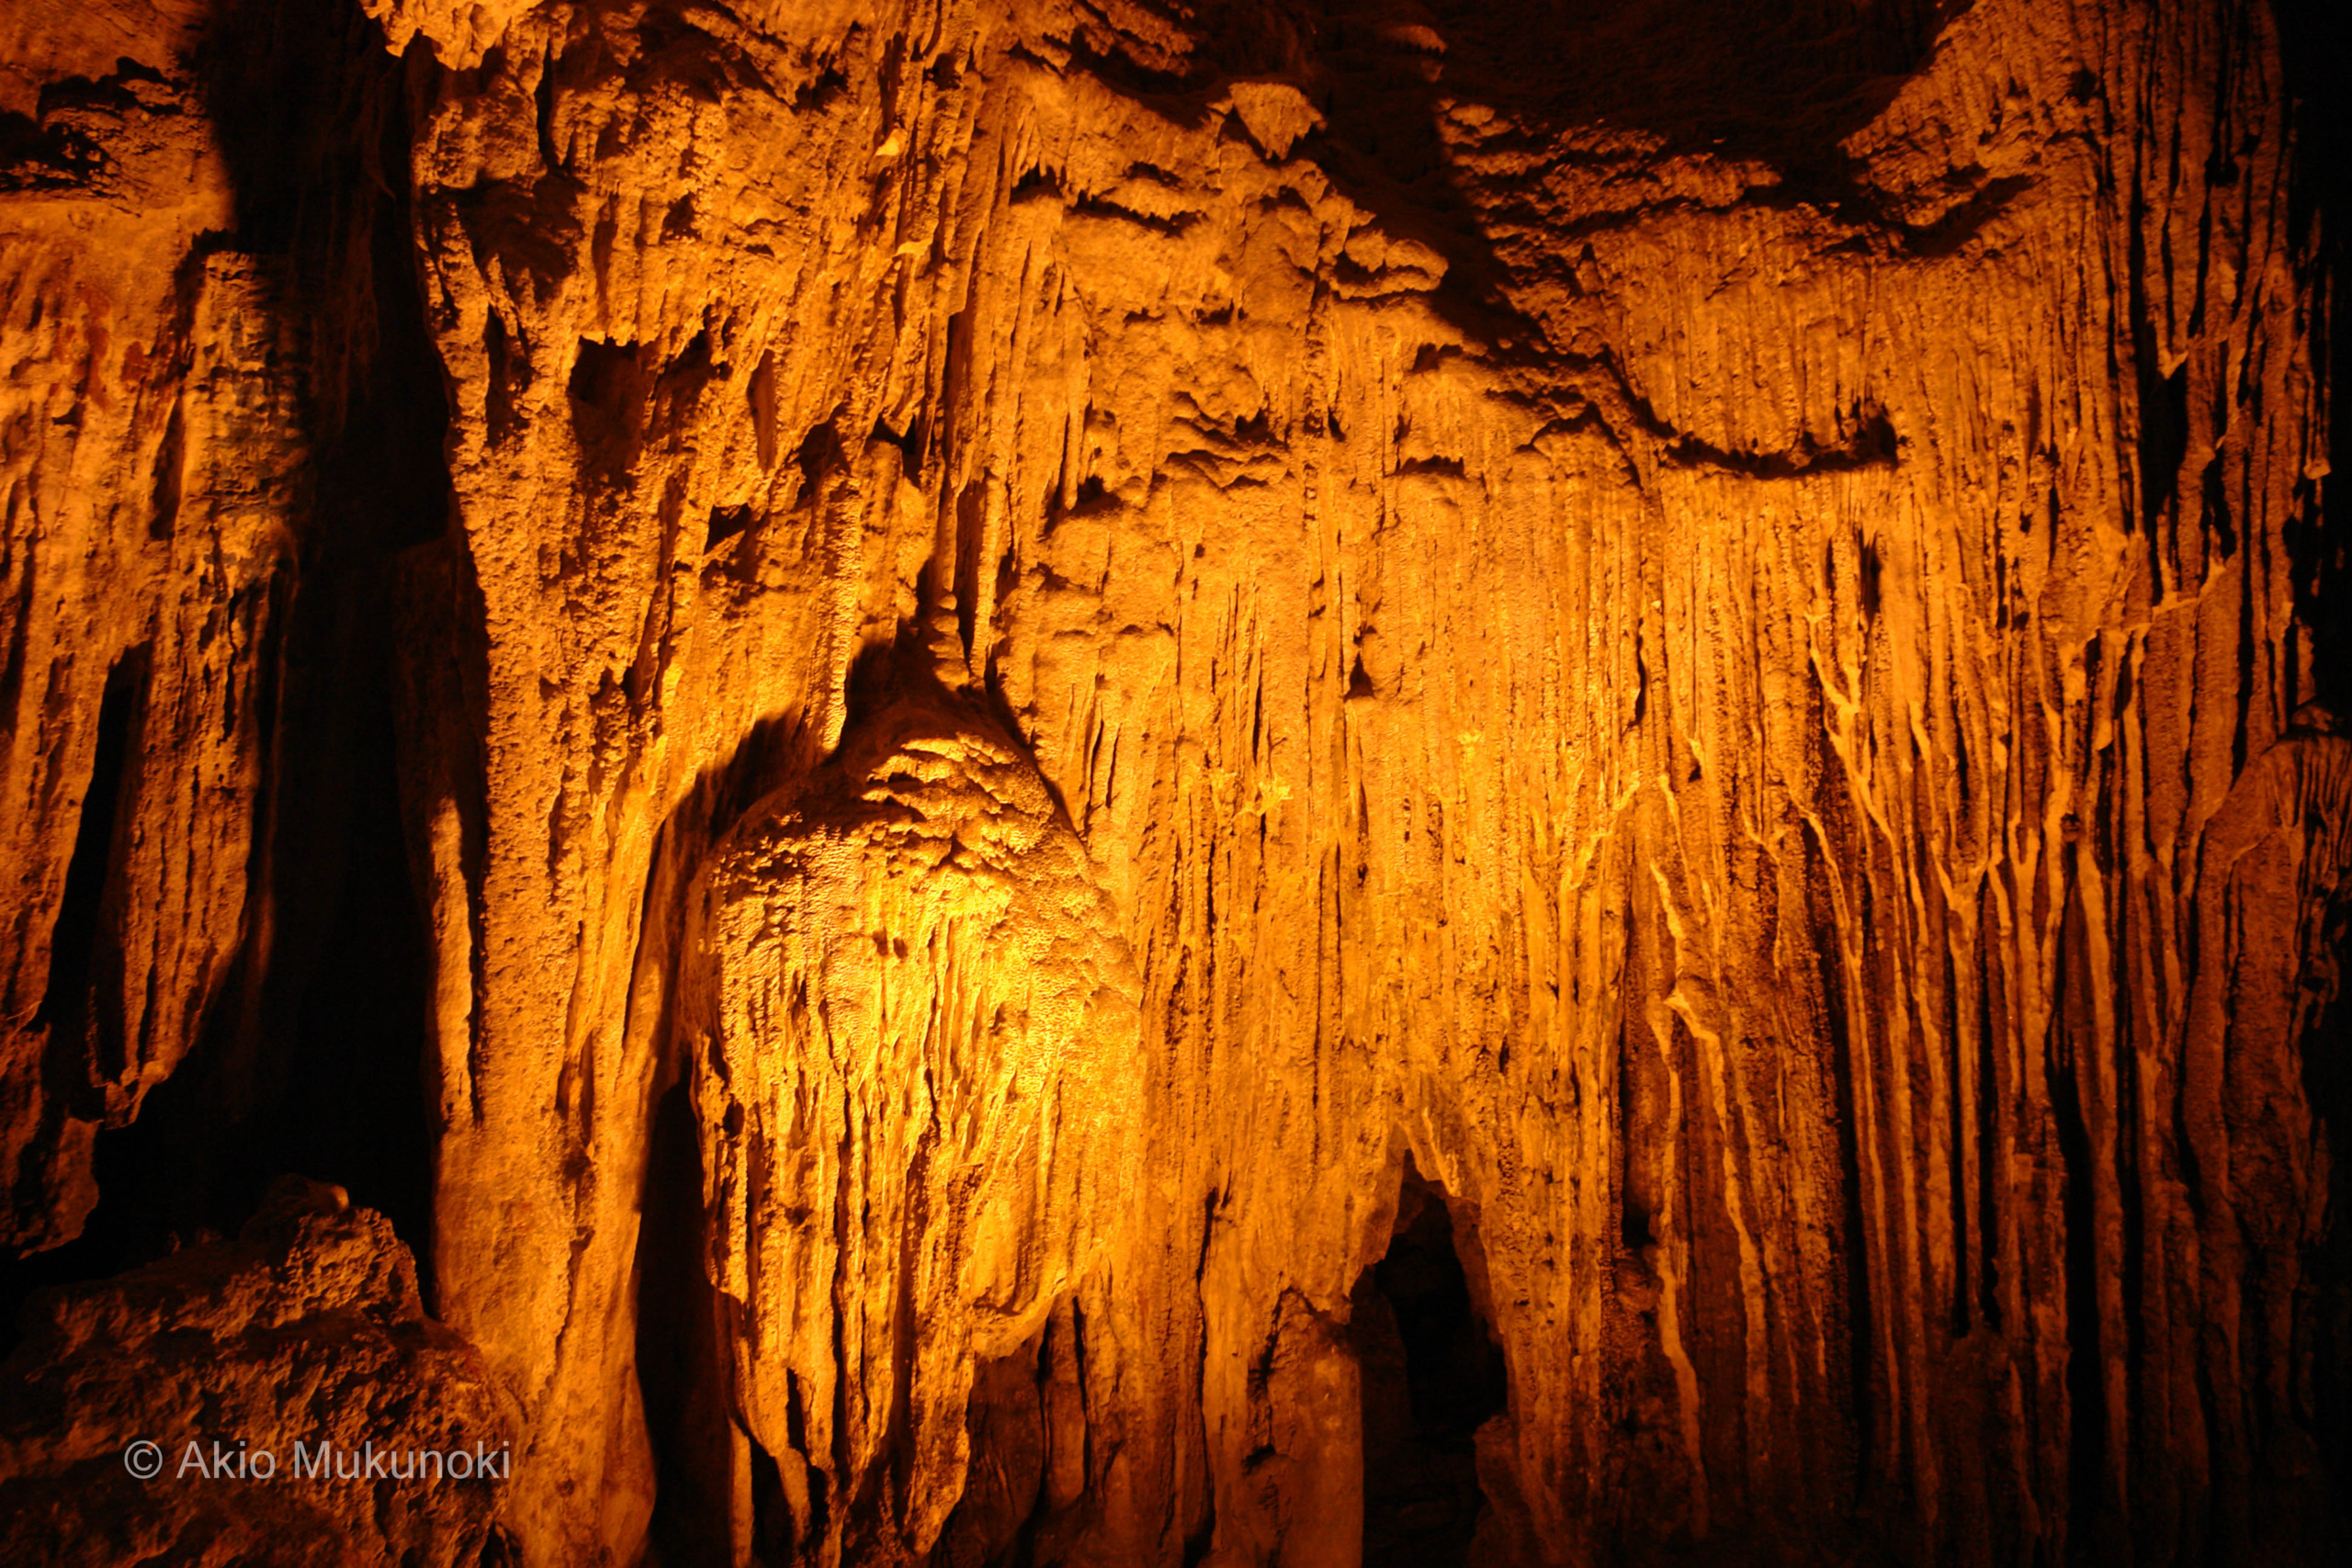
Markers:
point(150, 464)
point(1247, 783)
point(281, 1380)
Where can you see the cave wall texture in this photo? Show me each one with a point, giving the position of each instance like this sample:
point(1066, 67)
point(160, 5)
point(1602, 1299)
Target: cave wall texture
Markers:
point(948, 675)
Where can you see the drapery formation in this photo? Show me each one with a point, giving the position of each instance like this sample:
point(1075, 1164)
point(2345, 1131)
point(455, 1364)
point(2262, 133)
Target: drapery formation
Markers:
point(1067, 632)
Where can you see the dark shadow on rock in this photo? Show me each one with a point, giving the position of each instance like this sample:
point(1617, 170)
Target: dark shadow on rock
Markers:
point(311, 1057)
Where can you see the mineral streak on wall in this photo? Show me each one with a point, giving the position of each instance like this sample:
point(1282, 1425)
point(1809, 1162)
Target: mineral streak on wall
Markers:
point(1078, 654)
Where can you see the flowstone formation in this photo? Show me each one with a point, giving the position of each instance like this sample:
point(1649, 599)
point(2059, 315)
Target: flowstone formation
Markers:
point(914, 1061)
point(1288, 782)
point(153, 474)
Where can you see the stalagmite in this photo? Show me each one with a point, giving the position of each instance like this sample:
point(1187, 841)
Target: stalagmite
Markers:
point(1275, 783)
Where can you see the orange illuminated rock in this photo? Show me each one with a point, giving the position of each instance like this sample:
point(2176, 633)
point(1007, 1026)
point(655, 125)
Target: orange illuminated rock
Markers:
point(1073, 637)
point(153, 464)
point(286, 1381)
point(916, 1070)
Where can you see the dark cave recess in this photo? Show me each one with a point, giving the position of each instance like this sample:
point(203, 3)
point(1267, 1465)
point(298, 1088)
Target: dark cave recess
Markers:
point(1432, 1376)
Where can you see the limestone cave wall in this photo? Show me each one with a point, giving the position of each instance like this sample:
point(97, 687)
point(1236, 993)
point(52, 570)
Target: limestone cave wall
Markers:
point(1117, 781)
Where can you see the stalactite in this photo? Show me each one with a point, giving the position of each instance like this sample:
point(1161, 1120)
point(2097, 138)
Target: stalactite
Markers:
point(1068, 675)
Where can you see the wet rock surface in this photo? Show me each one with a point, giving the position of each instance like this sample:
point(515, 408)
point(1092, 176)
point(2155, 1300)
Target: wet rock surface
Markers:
point(1046, 667)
